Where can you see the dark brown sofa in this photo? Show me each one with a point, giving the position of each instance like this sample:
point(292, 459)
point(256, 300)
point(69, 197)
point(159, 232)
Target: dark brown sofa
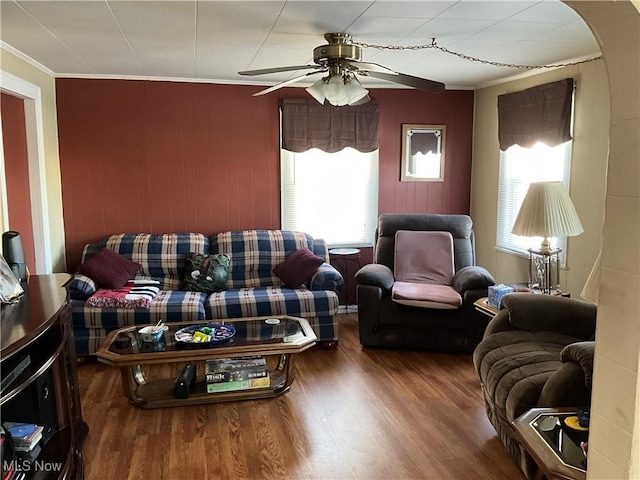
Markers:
point(536, 352)
point(385, 323)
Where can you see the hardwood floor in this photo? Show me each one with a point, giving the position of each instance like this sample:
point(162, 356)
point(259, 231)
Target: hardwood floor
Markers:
point(352, 413)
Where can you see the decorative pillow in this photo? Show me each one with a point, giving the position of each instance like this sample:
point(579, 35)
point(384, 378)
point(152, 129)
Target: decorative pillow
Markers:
point(109, 269)
point(206, 273)
point(298, 267)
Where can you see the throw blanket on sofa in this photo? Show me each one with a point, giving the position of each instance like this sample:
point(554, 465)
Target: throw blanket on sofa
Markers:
point(135, 294)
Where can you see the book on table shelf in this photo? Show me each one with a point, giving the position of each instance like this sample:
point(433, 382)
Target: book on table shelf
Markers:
point(223, 370)
point(31, 455)
point(233, 374)
point(235, 385)
point(25, 436)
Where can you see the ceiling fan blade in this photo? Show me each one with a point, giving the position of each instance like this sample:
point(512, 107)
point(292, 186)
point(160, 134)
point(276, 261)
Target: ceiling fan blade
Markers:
point(369, 67)
point(285, 83)
point(280, 69)
point(410, 81)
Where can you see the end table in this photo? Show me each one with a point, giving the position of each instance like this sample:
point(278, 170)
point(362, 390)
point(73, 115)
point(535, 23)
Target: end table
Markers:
point(341, 259)
point(482, 305)
point(554, 446)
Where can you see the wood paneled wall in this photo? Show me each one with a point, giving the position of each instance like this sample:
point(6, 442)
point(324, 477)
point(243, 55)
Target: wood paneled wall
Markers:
point(16, 167)
point(147, 156)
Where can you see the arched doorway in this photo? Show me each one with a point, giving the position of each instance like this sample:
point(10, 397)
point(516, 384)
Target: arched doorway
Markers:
point(614, 440)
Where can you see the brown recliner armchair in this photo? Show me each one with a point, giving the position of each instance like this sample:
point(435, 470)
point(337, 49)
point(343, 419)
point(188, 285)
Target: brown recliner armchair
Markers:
point(536, 352)
point(388, 323)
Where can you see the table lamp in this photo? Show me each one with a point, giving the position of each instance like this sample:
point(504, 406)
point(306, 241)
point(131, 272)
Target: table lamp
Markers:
point(547, 211)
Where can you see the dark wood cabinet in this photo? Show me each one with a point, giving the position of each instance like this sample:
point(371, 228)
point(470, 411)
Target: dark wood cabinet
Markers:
point(39, 377)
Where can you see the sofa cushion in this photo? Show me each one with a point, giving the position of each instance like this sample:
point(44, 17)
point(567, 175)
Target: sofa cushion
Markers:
point(298, 267)
point(109, 269)
point(425, 295)
point(92, 324)
point(423, 257)
point(162, 256)
point(319, 307)
point(259, 301)
point(255, 253)
point(206, 273)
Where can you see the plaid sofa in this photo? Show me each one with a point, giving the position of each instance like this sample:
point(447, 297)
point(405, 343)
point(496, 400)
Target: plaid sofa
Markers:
point(252, 287)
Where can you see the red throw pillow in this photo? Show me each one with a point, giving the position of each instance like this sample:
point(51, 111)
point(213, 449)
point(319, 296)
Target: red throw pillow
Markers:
point(109, 269)
point(298, 267)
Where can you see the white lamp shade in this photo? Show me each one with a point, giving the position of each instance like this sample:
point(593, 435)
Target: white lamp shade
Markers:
point(317, 90)
point(355, 91)
point(547, 211)
point(335, 91)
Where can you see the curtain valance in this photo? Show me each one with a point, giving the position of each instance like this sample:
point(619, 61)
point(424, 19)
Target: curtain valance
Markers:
point(538, 114)
point(424, 142)
point(306, 124)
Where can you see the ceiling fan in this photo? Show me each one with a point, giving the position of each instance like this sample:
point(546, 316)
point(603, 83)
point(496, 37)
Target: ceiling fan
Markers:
point(340, 59)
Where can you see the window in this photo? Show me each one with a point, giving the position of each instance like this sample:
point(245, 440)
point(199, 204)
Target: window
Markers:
point(518, 168)
point(333, 196)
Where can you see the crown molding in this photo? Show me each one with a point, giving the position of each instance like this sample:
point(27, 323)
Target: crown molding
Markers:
point(14, 51)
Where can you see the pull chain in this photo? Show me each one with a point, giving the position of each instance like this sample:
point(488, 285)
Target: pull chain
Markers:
point(470, 58)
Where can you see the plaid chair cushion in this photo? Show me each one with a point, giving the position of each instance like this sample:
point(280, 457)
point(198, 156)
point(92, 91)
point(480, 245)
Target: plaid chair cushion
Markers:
point(162, 256)
point(255, 253)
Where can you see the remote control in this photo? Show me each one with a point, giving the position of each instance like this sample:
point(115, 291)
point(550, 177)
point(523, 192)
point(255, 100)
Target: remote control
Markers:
point(185, 381)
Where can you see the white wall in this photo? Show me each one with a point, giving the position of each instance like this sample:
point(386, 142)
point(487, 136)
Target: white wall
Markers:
point(607, 125)
point(614, 439)
point(587, 182)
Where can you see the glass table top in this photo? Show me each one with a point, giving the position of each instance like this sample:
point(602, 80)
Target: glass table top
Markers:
point(258, 331)
point(562, 439)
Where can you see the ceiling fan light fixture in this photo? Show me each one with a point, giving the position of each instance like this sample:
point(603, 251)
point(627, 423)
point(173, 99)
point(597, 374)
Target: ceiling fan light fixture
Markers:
point(355, 91)
point(318, 90)
point(335, 91)
point(341, 59)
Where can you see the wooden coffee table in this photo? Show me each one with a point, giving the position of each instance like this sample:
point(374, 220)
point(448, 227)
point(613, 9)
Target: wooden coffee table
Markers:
point(278, 341)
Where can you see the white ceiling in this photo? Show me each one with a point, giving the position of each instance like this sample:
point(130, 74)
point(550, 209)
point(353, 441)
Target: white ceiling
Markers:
point(213, 40)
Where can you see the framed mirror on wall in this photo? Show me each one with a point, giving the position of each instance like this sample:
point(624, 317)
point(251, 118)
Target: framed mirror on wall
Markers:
point(422, 153)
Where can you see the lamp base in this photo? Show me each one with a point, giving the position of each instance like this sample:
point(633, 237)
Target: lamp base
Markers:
point(544, 271)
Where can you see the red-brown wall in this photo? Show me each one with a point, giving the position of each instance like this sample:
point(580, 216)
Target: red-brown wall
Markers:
point(16, 166)
point(146, 156)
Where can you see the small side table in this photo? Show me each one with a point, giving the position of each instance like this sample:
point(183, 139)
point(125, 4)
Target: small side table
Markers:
point(342, 259)
point(554, 447)
point(482, 305)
